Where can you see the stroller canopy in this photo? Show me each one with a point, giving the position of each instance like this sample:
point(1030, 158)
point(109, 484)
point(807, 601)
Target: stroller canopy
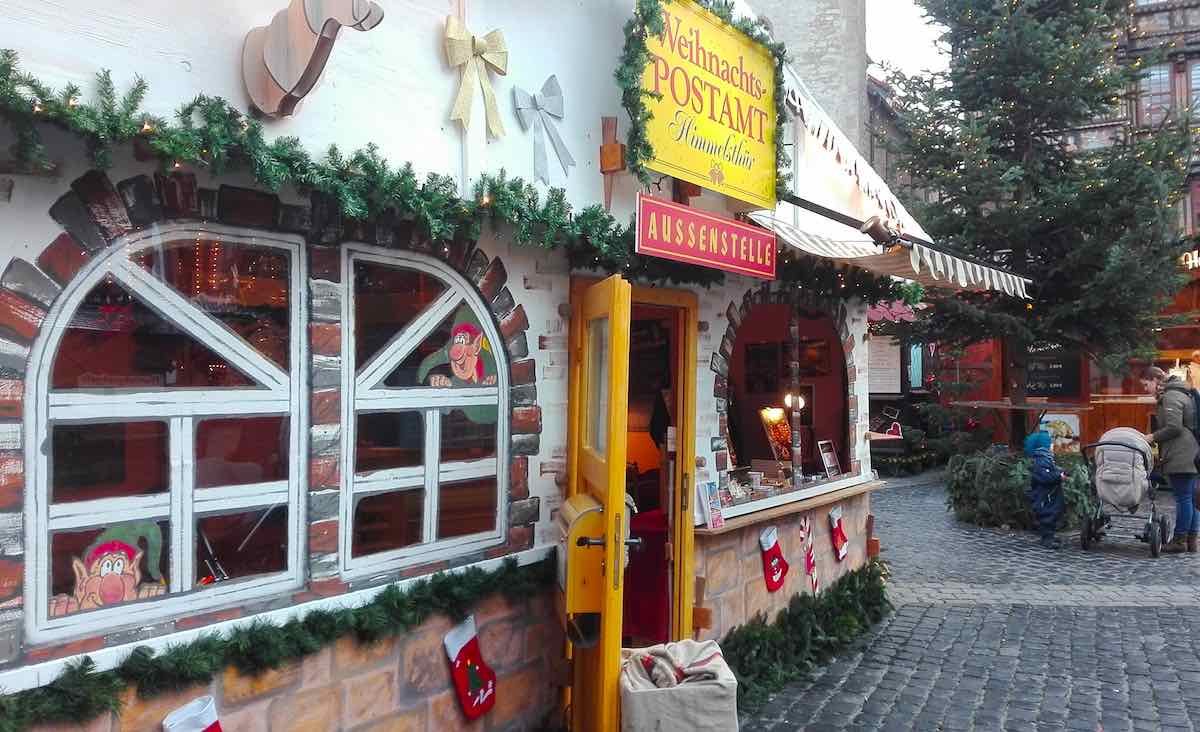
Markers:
point(1122, 475)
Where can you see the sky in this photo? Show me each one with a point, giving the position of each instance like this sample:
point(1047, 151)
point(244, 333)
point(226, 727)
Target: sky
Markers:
point(897, 34)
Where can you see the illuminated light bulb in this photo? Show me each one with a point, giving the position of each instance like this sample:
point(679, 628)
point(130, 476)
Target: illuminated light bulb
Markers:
point(37, 106)
point(72, 102)
point(485, 200)
point(147, 127)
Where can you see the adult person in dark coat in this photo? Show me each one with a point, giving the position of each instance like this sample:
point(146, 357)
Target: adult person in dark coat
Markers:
point(1177, 453)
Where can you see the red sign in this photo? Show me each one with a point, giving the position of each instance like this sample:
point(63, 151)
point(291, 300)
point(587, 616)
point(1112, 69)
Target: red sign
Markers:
point(672, 231)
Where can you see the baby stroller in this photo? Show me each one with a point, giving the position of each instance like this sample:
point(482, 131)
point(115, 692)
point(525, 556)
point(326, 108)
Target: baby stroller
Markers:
point(1119, 465)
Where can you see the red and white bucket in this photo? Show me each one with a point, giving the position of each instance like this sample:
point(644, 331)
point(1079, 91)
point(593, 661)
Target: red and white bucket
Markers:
point(198, 715)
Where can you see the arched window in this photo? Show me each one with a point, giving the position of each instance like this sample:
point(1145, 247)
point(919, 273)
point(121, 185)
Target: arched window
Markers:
point(425, 413)
point(167, 421)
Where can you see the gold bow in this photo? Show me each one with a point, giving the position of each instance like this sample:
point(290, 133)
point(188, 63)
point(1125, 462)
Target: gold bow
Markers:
point(476, 55)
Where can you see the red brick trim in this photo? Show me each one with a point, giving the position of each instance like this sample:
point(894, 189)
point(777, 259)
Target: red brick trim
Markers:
point(95, 212)
point(737, 313)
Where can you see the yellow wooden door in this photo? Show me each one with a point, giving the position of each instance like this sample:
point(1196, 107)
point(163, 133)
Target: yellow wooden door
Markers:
point(599, 402)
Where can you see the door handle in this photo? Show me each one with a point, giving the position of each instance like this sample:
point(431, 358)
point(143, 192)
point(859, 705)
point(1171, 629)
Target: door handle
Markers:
point(590, 541)
point(635, 543)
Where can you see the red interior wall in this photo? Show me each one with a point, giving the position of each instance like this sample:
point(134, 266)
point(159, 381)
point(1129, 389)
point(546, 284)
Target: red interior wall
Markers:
point(769, 323)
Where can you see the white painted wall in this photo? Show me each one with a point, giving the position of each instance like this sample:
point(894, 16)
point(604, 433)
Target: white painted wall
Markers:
point(391, 85)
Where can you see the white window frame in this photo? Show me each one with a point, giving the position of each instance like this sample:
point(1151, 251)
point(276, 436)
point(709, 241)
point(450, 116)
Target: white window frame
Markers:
point(1193, 86)
point(363, 393)
point(282, 394)
point(1147, 90)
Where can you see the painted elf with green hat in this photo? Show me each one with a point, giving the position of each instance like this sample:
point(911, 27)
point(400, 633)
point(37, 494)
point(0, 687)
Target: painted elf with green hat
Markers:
point(110, 573)
point(470, 359)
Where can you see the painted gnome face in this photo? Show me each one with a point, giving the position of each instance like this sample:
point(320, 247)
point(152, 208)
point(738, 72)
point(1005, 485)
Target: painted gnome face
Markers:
point(465, 344)
point(111, 575)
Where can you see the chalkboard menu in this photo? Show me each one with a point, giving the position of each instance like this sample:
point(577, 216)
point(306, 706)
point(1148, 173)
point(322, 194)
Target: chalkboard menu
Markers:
point(1052, 370)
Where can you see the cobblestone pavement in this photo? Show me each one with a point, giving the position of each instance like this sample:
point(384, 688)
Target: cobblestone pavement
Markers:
point(992, 632)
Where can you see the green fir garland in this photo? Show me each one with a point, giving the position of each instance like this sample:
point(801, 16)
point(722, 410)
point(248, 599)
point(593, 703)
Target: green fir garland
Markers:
point(647, 21)
point(766, 656)
point(209, 133)
point(81, 692)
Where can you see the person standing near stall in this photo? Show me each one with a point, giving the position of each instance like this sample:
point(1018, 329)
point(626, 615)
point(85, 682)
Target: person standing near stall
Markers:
point(1177, 453)
point(1193, 370)
point(1045, 492)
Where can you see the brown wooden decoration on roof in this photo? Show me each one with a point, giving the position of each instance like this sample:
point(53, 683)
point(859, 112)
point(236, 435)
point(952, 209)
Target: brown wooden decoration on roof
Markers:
point(612, 157)
point(283, 61)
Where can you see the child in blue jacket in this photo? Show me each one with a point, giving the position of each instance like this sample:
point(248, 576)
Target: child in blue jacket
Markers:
point(1045, 492)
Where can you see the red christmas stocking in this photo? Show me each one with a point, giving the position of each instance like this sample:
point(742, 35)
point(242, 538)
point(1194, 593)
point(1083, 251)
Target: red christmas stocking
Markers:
point(198, 715)
point(837, 532)
point(775, 567)
point(474, 680)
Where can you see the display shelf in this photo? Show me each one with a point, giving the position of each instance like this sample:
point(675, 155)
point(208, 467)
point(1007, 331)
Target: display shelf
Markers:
point(794, 502)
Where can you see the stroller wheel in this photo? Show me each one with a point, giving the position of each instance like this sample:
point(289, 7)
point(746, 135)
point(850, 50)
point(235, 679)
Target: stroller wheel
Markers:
point(1154, 536)
point(1164, 530)
point(1085, 533)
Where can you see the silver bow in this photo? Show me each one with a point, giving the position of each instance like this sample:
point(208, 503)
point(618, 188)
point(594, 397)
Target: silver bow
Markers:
point(534, 111)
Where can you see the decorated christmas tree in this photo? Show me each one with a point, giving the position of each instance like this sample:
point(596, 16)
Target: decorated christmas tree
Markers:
point(989, 142)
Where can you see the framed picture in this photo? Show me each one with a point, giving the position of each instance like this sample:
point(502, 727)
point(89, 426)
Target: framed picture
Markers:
point(1064, 431)
point(763, 368)
point(814, 357)
point(779, 432)
point(829, 458)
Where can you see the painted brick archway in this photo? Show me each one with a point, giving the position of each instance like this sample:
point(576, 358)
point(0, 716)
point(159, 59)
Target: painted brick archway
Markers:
point(798, 299)
point(94, 213)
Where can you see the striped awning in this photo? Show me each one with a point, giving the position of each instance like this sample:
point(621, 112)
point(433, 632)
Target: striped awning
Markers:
point(814, 234)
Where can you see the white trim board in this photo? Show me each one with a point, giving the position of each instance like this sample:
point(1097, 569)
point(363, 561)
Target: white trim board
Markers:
point(30, 677)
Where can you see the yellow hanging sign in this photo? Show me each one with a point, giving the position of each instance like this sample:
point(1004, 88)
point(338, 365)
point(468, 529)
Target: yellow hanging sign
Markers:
point(714, 124)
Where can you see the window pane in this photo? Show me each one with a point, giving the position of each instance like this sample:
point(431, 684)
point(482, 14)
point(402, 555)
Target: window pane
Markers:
point(596, 429)
point(243, 286)
point(241, 545)
point(115, 340)
point(466, 508)
point(456, 354)
point(97, 568)
point(469, 433)
point(240, 451)
point(389, 440)
point(388, 521)
point(90, 461)
point(386, 299)
point(1155, 94)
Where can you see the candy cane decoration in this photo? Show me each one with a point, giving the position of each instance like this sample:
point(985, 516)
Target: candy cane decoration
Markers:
point(810, 560)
